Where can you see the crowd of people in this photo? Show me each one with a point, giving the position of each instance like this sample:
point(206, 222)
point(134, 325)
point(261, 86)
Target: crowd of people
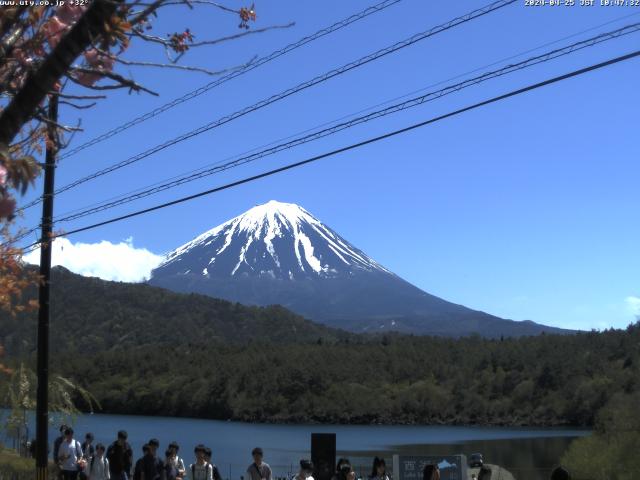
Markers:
point(86, 461)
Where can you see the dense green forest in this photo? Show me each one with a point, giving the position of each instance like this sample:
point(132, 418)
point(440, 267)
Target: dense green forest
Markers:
point(92, 315)
point(611, 452)
point(546, 380)
point(143, 350)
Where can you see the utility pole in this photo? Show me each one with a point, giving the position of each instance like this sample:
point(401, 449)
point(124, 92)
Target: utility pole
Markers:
point(42, 398)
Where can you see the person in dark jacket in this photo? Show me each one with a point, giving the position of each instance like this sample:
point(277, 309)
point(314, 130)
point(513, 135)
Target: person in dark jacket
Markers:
point(120, 457)
point(152, 465)
point(87, 446)
point(137, 471)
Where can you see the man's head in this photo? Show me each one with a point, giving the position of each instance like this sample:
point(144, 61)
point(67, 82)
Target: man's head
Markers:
point(68, 434)
point(63, 427)
point(257, 455)
point(306, 468)
point(122, 437)
point(200, 451)
point(88, 437)
point(99, 449)
point(174, 447)
point(153, 445)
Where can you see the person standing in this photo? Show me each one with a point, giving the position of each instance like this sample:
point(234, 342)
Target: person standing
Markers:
point(70, 456)
point(87, 446)
point(379, 470)
point(305, 472)
point(201, 469)
point(152, 465)
point(98, 466)
point(174, 461)
point(431, 472)
point(137, 471)
point(56, 447)
point(344, 470)
point(120, 457)
point(258, 470)
point(214, 469)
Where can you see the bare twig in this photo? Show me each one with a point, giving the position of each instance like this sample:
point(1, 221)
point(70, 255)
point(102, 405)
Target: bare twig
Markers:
point(144, 14)
point(240, 35)
point(78, 97)
point(184, 67)
point(198, 2)
point(57, 125)
point(123, 81)
point(167, 43)
point(76, 106)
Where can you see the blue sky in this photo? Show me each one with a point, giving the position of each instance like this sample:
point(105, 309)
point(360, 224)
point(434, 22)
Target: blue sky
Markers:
point(526, 209)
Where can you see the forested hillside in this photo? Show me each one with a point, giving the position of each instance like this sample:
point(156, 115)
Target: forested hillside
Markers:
point(546, 380)
point(144, 350)
point(92, 315)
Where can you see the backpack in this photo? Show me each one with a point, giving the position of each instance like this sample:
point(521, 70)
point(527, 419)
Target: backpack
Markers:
point(171, 471)
point(207, 466)
point(93, 458)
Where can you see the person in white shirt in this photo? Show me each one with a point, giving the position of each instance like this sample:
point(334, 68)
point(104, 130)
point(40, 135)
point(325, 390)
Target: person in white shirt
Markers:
point(98, 466)
point(306, 471)
point(174, 460)
point(70, 456)
point(201, 469)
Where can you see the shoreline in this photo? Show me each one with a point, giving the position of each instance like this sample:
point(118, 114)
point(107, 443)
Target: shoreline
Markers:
point(544, 428)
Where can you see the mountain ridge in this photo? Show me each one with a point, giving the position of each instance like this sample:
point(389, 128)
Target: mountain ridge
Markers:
point(279, 253)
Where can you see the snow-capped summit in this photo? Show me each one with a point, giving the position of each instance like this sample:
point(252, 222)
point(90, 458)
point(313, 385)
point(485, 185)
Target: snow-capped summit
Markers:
point(275, 239)
point(278, 253)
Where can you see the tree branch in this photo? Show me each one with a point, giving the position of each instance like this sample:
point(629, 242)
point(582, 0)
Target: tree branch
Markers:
point(123, 82)
point(76, 106)
point(240, 35)
point(57, 63)
point(183, 67)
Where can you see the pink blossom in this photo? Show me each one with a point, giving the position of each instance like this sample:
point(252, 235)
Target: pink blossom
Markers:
point(3, 175)
point(69, 13)
point(7, 206)
point(99, 61)
point(53, 30)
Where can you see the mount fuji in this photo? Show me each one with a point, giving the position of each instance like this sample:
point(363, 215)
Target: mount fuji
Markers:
point(278, 253)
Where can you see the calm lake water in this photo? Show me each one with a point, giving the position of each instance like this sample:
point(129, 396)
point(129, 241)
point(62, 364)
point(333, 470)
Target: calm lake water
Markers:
point(529, 453)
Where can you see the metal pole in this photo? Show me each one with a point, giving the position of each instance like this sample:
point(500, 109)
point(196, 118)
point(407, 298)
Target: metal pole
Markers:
point(42, 398)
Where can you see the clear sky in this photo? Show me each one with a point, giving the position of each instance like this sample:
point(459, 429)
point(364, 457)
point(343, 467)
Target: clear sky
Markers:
point(527, 209)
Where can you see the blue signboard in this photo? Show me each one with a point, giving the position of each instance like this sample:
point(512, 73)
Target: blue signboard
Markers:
point(410, 467)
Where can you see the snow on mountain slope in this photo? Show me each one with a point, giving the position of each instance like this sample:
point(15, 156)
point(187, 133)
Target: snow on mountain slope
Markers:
point(281, 240)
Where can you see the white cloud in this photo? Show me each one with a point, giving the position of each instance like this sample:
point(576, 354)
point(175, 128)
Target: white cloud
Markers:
point(633, 305)
point(109, 261)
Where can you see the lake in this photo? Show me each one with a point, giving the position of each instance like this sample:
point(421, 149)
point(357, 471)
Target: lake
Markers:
point(529, 453)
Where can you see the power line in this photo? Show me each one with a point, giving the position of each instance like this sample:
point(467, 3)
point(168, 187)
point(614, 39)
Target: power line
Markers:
point(223, 79)
point(236, 73)
point(344, 117)
point(286, 93)
point(353, 146)
point(413, 102)
point(256, 153)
